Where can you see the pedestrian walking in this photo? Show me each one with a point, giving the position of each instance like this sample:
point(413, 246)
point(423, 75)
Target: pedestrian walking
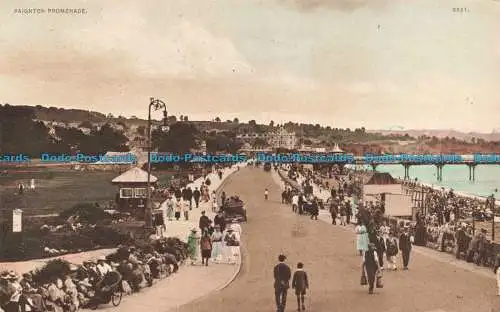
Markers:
point(185, 209)
point(282, 275)
point(295, 202)
point(223, 198)
point(334, 210)
point(362, 238)
point(217, 244)
point(371, 266)
point(194, 245)
point(348, 211)
point(189, 197)
point(266, 194)
point(220, 221)
point(204, 222)
point(178, 209)
point(461, 242)
point(196, 196)
point(343, 213)
point(206, 248)
point(405, 247)
point(170, 207)
point(314, 209)
point(300, 283)
point(391, 251)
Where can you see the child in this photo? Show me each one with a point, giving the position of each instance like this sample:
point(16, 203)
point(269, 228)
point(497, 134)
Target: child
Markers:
point(300, 283)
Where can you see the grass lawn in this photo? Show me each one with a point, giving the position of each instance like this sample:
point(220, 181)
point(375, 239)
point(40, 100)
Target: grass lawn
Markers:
point(57, 189)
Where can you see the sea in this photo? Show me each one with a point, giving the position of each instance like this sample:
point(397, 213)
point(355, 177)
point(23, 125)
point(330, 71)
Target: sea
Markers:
point(456, 177)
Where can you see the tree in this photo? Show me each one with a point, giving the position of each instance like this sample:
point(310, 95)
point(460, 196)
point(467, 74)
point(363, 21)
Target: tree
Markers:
point(86, 124)
point(217, 119)
point(141, 130)
point(110, 116)
point(222, 143)
point(180, 139)
point(259, 142)
point(181, 118)
point(236, 120)
point(228, 121)
point(271, 124)
point(186, 118)
point(171, 119)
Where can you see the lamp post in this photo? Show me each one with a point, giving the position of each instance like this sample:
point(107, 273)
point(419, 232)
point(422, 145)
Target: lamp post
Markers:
point(155, 104)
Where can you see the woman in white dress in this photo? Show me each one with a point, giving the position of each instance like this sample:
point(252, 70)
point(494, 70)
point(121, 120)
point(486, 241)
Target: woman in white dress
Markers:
point(217, 247)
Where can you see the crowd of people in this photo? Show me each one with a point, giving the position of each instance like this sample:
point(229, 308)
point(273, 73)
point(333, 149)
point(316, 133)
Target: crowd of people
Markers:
point(61, 286)
point(438, 226)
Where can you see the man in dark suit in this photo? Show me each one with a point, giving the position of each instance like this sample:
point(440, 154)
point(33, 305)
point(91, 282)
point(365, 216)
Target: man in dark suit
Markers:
point(300, 283)
point(405, 247)
point(196, 196)
point(282, 275)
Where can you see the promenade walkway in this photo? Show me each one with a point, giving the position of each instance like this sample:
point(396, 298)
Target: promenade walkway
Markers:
point(330, 259)
point(443, 257)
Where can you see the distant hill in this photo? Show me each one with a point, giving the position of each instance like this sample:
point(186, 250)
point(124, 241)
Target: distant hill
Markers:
point(494, 136)
point(66, 115)
point(56, 120)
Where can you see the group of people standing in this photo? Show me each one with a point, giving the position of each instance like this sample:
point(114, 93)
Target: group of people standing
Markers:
point(218, 242)
point(180, 202)
point(373, 245)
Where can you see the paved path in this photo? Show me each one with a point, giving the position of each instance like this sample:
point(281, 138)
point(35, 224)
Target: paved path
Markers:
point(333, 266)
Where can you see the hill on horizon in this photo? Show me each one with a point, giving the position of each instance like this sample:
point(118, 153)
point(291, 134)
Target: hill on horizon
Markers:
point(80, 115)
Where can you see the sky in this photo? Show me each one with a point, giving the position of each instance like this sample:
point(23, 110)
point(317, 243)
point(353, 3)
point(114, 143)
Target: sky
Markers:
point(378, 64)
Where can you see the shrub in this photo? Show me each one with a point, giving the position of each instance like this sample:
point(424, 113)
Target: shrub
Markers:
point(20, 246)
point(87, 212)
point(57, 268)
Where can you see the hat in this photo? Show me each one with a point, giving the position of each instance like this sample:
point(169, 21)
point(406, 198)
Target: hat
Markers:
point(194, 230)
point(203, 212)
point(27, 276)
point(11, 275)
point(101, 258)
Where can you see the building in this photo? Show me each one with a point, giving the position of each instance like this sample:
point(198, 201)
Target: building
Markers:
point(281, 138)
point(132, 190)
point(246, 137)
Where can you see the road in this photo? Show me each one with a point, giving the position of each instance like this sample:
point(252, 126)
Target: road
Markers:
point(333, 266)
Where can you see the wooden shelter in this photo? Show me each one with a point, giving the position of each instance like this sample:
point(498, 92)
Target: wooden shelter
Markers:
point(132, 189)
